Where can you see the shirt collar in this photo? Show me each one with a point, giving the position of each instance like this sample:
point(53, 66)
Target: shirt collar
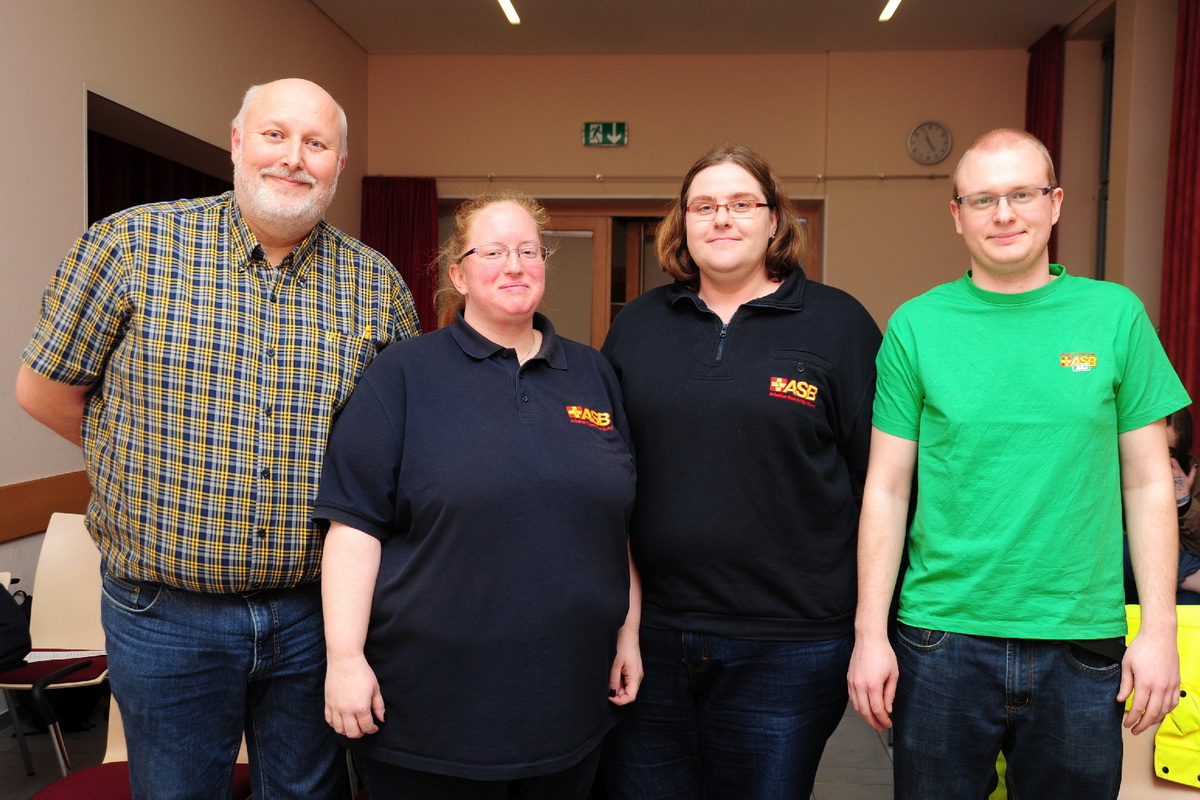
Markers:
point(246, 249)
point(479, 347)
point(788, 295)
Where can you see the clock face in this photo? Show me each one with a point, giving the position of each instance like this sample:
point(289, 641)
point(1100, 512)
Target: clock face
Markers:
point(929, 143)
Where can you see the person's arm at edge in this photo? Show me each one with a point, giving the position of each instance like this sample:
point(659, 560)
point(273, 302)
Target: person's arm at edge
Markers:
point(1150, 669)
point(349, 569)
point(873, 671)
point(1189, 520)
point(626, 674)
point(58, 406)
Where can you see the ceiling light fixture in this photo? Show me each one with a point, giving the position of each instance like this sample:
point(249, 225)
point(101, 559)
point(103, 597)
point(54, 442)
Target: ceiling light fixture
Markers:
point(888, 10)
point(511, 12)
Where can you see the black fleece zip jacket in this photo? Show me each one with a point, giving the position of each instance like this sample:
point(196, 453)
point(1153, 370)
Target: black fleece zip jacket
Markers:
point(751, 442)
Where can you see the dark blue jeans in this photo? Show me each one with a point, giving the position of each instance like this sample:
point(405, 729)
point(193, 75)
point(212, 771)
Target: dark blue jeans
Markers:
point(727, 718)
point(192, 671)
point(1050, 706)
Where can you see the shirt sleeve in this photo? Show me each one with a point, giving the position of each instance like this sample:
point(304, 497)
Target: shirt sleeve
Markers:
point(898, 395)
point(360, 475)
point(84, 311)
point(1149, 388)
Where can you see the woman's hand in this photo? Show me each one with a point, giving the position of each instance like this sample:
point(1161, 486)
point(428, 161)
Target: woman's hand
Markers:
point(626, 674)
point(352, 699)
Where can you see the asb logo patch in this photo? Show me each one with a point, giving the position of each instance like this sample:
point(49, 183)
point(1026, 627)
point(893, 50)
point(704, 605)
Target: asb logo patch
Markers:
point(601, 420)
point(1078, 362)
point(796, 391)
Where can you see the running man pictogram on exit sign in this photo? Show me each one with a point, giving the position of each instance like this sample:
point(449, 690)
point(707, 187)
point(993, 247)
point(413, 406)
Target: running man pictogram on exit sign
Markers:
point(605, 134)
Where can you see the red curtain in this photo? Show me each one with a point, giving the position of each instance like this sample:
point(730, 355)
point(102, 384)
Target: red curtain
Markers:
point(1043, 99)
point(400, 220)
point(1179, 327)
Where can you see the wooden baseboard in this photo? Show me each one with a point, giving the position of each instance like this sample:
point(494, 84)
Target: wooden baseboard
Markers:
point(25, 508)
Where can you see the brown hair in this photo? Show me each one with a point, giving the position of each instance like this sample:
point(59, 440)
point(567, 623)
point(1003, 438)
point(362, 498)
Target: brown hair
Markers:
point(785, 251)
point(449, 300)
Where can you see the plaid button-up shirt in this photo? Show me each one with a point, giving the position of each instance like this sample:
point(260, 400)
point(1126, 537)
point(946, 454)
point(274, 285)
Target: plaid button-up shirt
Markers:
point(217, 377)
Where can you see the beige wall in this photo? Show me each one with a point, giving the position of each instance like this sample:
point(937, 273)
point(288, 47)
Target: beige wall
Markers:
point(184, 64)
point(523, 116)
point(841, 116)
point(1142, 89)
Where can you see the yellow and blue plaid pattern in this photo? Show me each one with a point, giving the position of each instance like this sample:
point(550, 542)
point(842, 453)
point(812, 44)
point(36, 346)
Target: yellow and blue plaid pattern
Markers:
point(217, 377)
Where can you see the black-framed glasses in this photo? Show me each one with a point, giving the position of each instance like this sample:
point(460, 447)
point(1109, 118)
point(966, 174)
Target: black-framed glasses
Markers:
point(1018, 197)
point(494, 251)
point(703, 209)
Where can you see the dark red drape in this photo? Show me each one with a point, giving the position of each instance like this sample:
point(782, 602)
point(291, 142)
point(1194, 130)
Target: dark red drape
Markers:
point(399, 219)
point(1180, 323)
point(1043, 98)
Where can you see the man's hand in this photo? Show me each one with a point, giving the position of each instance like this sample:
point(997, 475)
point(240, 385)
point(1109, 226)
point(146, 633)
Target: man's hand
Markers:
point(872, 681)
point(1150, 671)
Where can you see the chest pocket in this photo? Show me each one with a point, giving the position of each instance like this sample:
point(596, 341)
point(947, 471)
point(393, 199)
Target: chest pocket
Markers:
point(329, 368)
point(800, 376)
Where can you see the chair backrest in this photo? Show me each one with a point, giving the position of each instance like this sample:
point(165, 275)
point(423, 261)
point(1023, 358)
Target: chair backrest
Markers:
point(66, 588)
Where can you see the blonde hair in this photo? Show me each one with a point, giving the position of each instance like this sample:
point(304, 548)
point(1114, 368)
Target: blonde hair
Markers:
point(1000, 139)
point(449, 299)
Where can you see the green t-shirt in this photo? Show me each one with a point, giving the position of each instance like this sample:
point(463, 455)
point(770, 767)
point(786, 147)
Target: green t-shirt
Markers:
point(1015, 401)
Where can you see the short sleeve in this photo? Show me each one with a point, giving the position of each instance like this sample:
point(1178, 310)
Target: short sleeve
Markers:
point(84, 311)
point(1149, 388)
point(360, 475)
point(898, 395)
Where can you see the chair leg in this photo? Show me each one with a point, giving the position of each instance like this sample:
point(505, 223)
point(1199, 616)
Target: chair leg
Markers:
point(60, 748)
point(42, 703)
point(352, 774)
point(18, 732)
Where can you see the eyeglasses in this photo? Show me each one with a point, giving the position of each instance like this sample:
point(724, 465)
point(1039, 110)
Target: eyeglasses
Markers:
point(494, 251)
point(703, 209)
point(986, 202)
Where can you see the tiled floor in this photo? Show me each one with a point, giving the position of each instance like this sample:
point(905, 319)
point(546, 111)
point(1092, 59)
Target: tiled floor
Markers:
point(86, 748)
point(857, 763)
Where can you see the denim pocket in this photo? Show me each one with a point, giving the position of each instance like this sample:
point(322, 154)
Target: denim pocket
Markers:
point(136, 597)
point(1089, 662)
point(923, 640)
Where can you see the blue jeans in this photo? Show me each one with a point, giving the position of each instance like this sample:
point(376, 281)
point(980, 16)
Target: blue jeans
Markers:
point(192, 672)
point(727, 718)
point(1050, 706)
point(1188, 563)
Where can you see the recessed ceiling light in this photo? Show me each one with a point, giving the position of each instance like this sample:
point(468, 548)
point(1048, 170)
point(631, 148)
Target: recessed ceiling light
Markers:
point(888, 10)
point(511, 12)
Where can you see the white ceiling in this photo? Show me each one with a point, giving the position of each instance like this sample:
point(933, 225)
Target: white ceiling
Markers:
point(694, 26)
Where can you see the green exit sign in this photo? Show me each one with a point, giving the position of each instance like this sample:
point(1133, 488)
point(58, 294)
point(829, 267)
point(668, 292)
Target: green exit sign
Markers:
point(605, 134)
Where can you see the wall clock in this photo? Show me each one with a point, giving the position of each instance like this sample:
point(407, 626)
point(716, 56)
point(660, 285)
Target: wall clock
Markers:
point(929, 143)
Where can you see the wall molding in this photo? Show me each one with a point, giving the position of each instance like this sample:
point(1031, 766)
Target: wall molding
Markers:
point(26, 507)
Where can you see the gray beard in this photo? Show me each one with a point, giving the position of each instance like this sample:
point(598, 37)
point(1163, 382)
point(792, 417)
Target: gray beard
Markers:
point(259, 202)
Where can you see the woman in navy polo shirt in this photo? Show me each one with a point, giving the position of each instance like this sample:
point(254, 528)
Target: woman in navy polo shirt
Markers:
point(477, 589)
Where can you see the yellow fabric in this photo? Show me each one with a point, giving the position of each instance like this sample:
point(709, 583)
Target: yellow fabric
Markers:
point(1177, 742)
point(1001, 792)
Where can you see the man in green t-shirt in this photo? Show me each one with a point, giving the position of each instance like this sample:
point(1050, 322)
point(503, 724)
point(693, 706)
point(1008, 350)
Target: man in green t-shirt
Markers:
point(1029, 404)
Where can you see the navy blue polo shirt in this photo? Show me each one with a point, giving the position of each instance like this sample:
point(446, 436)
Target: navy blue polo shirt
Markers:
point(501, 493)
